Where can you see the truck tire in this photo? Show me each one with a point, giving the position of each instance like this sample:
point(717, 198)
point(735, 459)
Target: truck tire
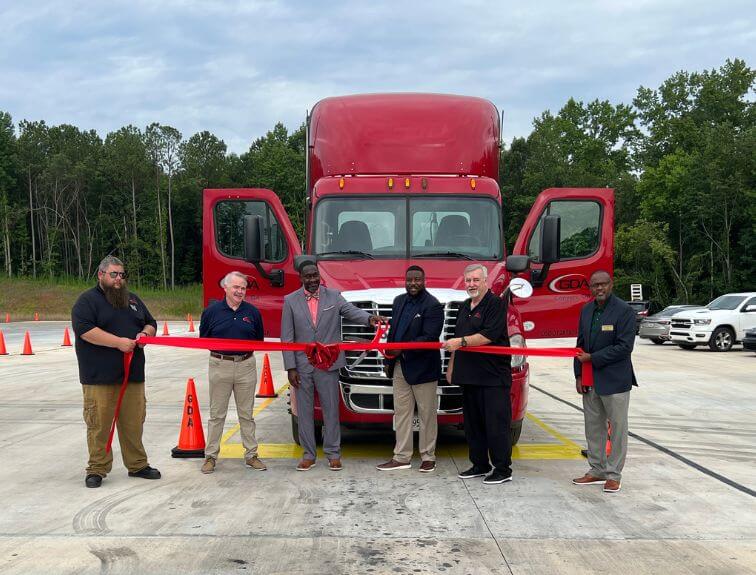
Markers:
point(687, 346)
point(657, 340)
point(295, 428)
point(516, 430)
point(295, 431)
point(722, 339)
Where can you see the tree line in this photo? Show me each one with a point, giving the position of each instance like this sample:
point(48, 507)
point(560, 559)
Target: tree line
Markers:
point(680, 156)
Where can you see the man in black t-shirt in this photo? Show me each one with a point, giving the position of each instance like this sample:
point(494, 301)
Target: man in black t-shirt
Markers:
point(108, 322)
point(486, 379)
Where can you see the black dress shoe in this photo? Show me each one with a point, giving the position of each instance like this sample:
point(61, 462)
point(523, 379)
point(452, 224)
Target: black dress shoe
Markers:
point(496, 477)
point(93, 480)
point(146, 473)
point(474, 471)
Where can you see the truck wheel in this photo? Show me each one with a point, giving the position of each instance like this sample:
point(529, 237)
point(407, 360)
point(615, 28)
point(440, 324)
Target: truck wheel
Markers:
point(722, 339)
point(657, 340)
point(318, 434)
point(295, 431)
point(687, 346)
point(516, 430)
point(295, 428)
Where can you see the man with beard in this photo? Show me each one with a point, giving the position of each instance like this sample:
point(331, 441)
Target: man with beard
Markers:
point(485, 379)
point(108, 322)
point(313, 314)
point(415, 316)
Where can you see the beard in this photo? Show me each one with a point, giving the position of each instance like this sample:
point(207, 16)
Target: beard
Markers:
point(117, 297)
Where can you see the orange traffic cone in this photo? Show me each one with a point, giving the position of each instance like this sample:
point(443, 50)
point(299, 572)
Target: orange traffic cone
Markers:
point(191, 324)
point(66, 339)
point(7, 318)
point(165, 328)
point(609, 440)
point(266, 381)
point(3, 351)
point(191, 441)
point(27, 345)
point(36, 316)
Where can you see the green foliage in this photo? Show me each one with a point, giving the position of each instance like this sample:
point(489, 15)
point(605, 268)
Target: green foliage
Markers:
point(680, 157)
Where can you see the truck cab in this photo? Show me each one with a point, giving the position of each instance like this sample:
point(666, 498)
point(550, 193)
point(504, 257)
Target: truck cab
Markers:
point(400, 179)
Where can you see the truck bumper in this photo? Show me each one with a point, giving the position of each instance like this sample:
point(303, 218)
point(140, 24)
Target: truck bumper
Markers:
point(690, 337)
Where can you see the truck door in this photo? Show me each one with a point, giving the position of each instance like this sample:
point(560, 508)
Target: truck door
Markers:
point(223, 249)
point(586, 245)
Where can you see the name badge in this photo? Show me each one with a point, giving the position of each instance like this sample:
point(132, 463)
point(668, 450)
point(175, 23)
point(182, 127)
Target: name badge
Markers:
point(607, 328)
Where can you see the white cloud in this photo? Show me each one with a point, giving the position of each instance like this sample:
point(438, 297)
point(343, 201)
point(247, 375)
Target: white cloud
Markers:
point(236, 68)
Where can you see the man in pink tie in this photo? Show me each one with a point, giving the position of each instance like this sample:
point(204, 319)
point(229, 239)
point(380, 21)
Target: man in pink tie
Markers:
point(313, 314)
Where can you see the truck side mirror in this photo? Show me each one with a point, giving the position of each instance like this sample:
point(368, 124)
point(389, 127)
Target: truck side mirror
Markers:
point(517, 264)
point(550, 248)
point(254, 240)
point(550, 244)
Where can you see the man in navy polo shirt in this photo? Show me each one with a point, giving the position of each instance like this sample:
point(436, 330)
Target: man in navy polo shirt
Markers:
point(232, 371)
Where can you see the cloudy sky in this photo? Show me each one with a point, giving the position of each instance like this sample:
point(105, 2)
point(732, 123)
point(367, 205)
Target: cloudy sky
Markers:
point(236, 68)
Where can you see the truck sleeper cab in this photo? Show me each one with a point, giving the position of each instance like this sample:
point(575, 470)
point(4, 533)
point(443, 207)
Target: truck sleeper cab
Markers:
point(401, 179)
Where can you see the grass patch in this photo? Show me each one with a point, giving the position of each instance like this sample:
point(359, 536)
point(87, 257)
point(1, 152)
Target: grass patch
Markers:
point(53, 299)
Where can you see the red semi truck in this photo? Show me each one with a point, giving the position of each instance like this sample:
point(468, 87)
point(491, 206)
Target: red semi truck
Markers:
point(401, 179)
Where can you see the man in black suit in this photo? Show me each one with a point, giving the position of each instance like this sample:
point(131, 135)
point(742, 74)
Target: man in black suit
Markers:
point(607, 333)
point(415, 316)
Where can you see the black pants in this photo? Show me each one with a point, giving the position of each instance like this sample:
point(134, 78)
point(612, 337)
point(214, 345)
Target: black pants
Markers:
point(488, 416)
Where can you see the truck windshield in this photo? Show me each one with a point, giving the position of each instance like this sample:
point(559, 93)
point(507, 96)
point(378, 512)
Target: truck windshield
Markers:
point(726, 302)
point(408, 227)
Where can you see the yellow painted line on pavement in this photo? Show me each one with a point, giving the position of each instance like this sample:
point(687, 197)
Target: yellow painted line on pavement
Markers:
point(565, 449)
point(224, 448)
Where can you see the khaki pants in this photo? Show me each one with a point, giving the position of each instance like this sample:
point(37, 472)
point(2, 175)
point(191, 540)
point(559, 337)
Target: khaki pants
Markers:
point(239, 377)
point(99, 407)
point(406, 396)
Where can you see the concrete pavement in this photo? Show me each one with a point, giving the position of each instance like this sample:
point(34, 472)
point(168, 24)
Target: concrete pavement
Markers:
point(670, 517)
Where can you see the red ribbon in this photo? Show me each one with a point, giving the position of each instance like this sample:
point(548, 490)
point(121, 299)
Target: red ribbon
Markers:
point(322, 356)
point(126, 370)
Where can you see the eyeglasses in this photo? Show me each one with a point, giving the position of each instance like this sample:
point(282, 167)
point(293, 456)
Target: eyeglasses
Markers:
point(114, 275)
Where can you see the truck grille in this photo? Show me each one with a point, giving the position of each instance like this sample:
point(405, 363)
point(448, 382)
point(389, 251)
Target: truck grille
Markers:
point(681, 323)
point(371, 366)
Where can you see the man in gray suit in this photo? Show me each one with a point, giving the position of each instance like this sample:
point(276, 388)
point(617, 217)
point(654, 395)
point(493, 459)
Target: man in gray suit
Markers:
point(313, 314)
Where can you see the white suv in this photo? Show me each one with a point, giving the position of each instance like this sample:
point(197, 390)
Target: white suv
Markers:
point(719, 325)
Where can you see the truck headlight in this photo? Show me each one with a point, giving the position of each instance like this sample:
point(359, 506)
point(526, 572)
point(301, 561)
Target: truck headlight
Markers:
point(517, 341)
point(701, 321)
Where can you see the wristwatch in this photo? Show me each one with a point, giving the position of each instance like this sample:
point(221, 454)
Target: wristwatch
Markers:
point(464, 342)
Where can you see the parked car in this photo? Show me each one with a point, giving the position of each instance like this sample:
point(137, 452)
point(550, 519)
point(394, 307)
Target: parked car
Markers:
point(656, 327)
point(749, 341)
point(720, 325)
point(643, 309)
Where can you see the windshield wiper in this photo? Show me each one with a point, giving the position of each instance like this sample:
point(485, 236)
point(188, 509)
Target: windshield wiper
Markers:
point(348, 253)
point(443, 255)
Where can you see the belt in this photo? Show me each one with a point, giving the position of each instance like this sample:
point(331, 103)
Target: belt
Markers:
point(231, 357)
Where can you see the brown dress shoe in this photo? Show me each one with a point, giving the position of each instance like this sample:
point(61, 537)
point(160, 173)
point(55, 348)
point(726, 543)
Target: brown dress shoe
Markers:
point(256, 464)
point(208, 466)
point(306, 465)
point(589, 479)
point(335, 465)
point(393, 465)
point(611, 486)
point(427, 466)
